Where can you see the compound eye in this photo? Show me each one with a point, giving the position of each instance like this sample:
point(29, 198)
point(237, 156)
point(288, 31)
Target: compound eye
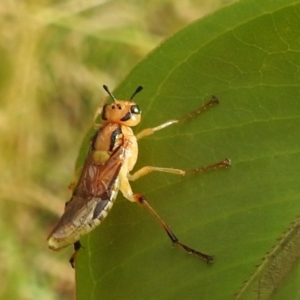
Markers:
point(134, 109)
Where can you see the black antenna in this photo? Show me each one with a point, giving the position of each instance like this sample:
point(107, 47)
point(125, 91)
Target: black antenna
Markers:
point(139, 88)
point(108, 92)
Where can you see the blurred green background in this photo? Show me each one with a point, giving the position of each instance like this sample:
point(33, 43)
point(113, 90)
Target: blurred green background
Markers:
point(54, 58)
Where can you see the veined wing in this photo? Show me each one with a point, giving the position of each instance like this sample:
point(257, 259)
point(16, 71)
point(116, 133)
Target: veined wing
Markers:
point(92, 198)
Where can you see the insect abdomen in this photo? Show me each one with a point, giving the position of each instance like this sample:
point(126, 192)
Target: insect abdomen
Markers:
point(72, 232)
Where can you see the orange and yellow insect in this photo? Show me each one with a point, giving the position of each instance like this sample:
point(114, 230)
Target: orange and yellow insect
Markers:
point(112, 155)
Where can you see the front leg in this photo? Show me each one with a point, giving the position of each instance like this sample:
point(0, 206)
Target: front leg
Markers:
point(149, 131)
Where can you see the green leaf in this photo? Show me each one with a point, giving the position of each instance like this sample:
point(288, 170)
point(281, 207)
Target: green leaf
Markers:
point(248, 55)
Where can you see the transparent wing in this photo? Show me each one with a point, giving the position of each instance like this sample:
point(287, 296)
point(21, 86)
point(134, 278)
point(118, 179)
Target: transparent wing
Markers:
point(91, 195)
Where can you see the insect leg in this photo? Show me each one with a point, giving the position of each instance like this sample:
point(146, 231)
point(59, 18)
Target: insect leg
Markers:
point(148, 169)
point(75, 179)
point(222, 164)
point(98, 112)
point(149, 131)
point(142, 200)
point(77, 246)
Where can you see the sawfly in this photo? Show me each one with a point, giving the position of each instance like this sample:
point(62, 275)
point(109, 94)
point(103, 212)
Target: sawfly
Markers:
point(112, 154)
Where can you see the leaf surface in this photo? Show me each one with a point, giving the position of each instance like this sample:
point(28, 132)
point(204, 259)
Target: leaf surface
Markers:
point(246, 54)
